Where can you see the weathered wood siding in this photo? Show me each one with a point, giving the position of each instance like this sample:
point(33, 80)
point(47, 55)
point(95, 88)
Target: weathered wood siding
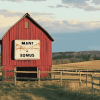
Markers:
point(18, 31)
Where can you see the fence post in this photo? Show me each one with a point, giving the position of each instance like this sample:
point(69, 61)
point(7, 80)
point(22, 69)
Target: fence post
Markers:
point(39, 77)
point(61, 78)
point(92, 81)
point(76, 70)
point(51, 73)
point(86, 79)
point(80, 78)
point(99, 83)
point(15, 76)
point(54, 76)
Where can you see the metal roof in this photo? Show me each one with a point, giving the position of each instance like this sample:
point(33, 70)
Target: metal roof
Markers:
point(32, 20)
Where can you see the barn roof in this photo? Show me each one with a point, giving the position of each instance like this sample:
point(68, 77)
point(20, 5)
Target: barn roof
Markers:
point(32, 20)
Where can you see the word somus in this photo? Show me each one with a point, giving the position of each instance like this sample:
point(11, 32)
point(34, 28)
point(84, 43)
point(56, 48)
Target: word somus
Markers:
point(26, 55)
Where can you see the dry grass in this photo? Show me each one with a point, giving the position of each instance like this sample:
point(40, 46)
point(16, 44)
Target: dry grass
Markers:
point(89, 85)
point(48, 90)
point(95, 64)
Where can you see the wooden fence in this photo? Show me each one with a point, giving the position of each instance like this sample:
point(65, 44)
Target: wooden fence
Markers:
point(61, 72)
point(0, 71)
point(74, 70)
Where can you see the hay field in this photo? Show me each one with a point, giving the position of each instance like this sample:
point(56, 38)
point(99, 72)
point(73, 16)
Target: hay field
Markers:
point(75, 84)
point(95, 64)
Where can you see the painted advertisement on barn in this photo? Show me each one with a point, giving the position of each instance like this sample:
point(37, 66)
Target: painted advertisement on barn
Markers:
point(27, 49)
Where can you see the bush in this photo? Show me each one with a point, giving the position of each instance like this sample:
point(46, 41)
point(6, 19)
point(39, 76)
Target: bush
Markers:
point(76, 60)
point(91, 59)
point(64, 61)
point(58, 61)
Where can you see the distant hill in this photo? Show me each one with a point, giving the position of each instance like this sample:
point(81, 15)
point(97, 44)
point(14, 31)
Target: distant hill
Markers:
point(83, 55)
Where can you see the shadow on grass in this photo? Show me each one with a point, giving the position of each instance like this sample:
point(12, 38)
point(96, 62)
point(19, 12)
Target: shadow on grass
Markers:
point(69, 94)
point(28, 91)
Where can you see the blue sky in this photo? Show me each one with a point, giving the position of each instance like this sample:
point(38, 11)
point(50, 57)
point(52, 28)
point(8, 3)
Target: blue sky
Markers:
point(74, 24)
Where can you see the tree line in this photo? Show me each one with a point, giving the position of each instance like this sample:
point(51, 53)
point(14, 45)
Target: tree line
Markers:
point(75, 58)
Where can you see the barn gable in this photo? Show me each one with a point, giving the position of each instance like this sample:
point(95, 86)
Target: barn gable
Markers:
point(35, 23)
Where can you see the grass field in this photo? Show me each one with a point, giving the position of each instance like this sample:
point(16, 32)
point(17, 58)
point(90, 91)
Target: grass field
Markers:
point(51, 90)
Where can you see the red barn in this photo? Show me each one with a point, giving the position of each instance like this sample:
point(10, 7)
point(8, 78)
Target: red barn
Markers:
point(26, 29)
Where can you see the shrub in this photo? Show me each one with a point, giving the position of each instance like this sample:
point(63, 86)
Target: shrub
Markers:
point(91, 59)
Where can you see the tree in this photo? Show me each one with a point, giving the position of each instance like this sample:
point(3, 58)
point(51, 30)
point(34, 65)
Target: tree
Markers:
point(67, 61)
point(75, 54)
point(64, 61)
point(92, 55)
point(91, 59)
point(72, 59)
point(81, 55)
point(58, 61)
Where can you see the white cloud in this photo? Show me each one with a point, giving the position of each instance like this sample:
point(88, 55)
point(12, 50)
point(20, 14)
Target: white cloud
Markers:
point(53, 26)
point(12, 11)
point(85, 24)
point(8, 21)
point(61, 22)
point(50, 24)
point(82, 4)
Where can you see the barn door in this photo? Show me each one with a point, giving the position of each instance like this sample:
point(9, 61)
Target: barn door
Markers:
point(27, 75)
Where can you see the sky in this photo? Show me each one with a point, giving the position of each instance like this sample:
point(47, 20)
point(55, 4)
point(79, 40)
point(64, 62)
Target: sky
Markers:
point(74, 24)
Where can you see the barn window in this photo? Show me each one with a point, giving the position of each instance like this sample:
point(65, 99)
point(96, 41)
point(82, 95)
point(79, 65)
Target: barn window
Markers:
point(26, 24)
